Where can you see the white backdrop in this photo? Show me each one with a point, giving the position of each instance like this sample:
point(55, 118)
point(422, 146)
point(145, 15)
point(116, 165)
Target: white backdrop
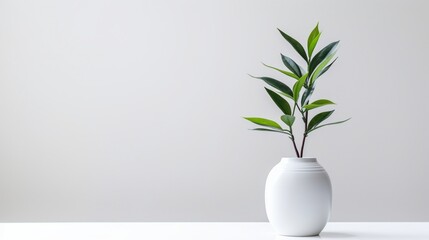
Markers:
point(131, 110)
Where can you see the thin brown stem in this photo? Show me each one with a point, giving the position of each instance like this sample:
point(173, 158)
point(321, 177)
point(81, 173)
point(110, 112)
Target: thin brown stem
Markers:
point(291, 132)
point(294, 145)
point(303, 143)
point(305, 134)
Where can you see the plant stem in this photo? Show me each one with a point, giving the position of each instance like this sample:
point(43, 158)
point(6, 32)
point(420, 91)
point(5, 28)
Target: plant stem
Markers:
point(294, 145)
point(296, 105)
point(305, 133)
point(291, 133)
point(303, 143)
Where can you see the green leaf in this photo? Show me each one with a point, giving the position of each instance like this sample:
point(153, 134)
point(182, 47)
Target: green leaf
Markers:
point(298, 86)
point(276, 84)
point(328, 124)
point(318, 103)
point(306, 96)
point(282, 71)
point(312, 40)
point(295, 44)
point(321, 66)
point(286, 95)
point(321, 55)
point(288, 119)
point(313, 44)
point(264, 122)
point(280, 102)
point(270, 130)
point(316, 120)
point(327, 67)
point(292, 65)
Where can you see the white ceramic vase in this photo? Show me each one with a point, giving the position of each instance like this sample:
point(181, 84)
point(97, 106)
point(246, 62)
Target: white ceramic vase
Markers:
point(298, 197)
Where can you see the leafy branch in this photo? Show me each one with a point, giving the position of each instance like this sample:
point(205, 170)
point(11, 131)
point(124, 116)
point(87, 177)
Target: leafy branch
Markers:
point(302, 90)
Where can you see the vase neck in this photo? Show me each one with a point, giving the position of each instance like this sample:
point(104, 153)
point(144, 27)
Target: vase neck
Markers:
point(299, 160)
point(300, 165)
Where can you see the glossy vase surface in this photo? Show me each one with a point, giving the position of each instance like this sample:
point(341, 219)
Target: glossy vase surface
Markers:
point(298, 197)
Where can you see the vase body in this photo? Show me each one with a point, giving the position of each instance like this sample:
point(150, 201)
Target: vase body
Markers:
point(298, 197)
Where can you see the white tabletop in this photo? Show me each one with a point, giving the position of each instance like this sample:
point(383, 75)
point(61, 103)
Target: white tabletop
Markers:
point(203, 231)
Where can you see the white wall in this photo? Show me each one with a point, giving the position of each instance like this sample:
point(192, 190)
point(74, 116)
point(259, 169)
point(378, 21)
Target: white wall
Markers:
point(131, 110)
